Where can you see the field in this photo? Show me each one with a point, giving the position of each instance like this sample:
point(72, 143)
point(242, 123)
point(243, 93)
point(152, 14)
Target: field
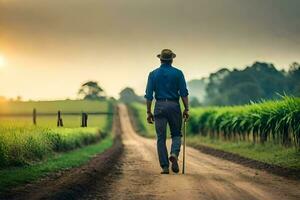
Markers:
point(65, 106)
point(22, 143)
point(275, 122)
point(267, 131)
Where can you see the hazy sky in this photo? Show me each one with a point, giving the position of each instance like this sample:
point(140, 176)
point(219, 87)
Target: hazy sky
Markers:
point(49, 47)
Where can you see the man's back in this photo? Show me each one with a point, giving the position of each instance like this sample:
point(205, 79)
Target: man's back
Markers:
point(167, 82)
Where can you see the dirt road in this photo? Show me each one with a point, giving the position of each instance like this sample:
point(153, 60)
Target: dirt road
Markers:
point(137, 176)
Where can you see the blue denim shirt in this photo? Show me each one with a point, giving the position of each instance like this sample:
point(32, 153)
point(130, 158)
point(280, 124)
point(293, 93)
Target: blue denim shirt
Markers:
point(167, 82)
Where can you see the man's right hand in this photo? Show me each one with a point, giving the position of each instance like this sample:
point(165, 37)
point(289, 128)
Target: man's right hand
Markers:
point(150, 118)
point(185, 115)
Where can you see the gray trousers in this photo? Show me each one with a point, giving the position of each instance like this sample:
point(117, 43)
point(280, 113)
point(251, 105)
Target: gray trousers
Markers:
point(167, 113)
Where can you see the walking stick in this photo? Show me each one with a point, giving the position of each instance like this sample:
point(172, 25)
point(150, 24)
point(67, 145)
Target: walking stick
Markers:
point(184, 144)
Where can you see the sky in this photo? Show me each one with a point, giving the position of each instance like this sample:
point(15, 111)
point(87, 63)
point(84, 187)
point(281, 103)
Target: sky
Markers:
point(48, 48)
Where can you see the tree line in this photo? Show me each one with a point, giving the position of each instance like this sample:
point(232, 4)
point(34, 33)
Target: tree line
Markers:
point(254, 83)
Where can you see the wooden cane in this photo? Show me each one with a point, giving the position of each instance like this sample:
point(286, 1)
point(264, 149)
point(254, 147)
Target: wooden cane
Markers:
point(184, 144)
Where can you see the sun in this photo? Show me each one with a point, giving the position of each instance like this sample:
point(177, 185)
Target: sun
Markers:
point(2, 61)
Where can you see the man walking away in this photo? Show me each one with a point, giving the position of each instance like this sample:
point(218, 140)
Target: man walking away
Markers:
point(168, 85)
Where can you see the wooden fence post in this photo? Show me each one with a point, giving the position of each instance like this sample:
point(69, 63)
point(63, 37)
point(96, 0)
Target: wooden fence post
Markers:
point(59, 120)
point(58, 117)
point(34, 116)
point(84, 118)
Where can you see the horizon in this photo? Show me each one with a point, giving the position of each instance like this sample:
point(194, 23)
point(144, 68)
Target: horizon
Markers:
point(48, 49)
point(14, 98)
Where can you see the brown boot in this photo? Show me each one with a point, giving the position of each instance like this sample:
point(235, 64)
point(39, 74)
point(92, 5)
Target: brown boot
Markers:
point(174, 160)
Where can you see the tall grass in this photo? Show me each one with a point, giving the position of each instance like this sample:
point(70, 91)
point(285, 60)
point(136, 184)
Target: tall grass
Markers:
point(274, 121)
point(25, 144)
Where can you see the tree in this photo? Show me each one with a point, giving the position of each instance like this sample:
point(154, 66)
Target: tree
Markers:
point(197, 88)
point(293, 78)
point(194, 102)
point(18, 98)
point(255, 82)
point(243, 94)
point(127, 95)
point(212, 96)
point(91, 91)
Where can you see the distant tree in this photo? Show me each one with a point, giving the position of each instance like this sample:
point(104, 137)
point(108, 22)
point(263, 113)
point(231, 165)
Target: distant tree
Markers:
point(293, 79)
point(197, 88)
point(294, 66)
point(268, 78)
point(127, 95)
point(91, 91)
point(18, 98)
point(194, 102)
point(243, 93)
point(258, 81)
point(112, 99)
point(212, 88)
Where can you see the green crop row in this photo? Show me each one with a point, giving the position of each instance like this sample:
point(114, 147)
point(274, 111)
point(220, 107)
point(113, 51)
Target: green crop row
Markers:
point(274, 121)
point(25, 144)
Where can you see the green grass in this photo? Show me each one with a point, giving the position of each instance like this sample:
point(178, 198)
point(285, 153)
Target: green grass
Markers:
point(13, 177)
point(268, 153)
point(65, 106)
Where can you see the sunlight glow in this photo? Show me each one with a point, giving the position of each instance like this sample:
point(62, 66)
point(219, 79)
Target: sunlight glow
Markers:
point(2, 61)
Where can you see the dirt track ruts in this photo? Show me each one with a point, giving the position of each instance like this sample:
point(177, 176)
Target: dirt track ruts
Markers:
point(137, 176)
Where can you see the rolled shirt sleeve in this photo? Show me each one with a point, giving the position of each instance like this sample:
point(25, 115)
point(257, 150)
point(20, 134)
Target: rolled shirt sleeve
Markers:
point(183, 91)
point(149, 88)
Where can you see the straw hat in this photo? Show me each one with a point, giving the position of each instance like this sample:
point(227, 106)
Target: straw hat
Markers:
point(166, 54)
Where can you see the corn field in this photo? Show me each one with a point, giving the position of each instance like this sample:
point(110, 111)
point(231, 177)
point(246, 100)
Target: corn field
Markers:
point(269, 121)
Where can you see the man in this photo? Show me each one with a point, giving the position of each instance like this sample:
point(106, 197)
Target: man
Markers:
point(169, 85)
